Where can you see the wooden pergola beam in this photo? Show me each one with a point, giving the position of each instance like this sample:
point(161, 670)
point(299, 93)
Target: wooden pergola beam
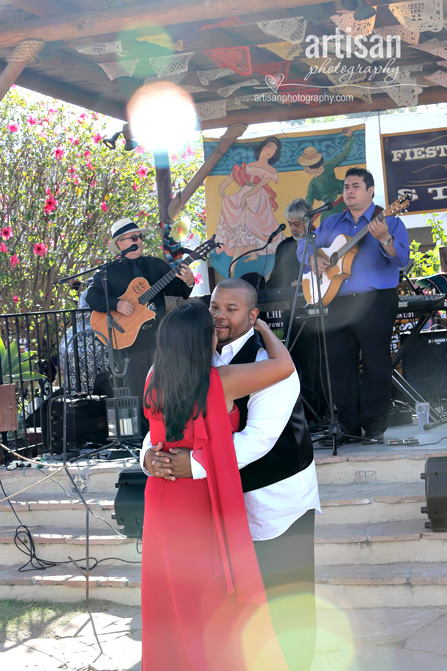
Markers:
point(178, 203)
point(8, 76)
point(79, 25)
point(23, 54)
point(55, 89)
point(47, 8)
point(293, 112)
point(40, 7)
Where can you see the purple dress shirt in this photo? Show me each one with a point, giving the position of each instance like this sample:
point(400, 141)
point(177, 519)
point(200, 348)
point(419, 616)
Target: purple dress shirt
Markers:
point(372, 268)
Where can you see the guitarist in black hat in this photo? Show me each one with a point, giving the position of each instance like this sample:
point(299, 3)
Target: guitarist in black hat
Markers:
point(120, 274)
point(361, 316)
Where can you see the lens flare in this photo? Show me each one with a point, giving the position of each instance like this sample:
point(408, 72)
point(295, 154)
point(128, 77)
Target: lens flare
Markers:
point(162, 116)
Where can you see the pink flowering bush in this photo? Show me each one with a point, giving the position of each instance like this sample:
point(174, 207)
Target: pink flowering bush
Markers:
point(61, 189)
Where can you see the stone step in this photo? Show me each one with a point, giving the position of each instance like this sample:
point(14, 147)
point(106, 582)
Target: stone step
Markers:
point(341, 504)
point(118, 584)
point(55, 544)
point(400, 585)
point(48, 511)
point(371, 502)
point(353, 465)
point(363, 544)
point(382, 543)
point(90, 476)
point(378, 464)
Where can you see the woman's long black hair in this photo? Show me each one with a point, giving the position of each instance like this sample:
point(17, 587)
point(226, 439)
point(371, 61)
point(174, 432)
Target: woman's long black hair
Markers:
point(182, 362)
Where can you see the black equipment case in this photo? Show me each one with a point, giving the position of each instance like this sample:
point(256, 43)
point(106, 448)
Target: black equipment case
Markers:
point(129, 501)
point(435, 477)
point(86, 422)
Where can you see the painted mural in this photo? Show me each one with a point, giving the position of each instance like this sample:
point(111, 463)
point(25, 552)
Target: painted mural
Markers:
point(248, 191)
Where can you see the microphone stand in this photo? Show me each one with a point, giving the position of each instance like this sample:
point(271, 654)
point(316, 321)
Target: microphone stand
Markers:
point(310, 242)
point(258, 249)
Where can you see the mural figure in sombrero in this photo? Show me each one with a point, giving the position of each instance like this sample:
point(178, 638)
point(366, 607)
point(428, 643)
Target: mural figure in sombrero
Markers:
point(247, 218)
point(324, 186)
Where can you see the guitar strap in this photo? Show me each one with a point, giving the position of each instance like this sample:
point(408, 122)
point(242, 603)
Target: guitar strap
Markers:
point(377, 210)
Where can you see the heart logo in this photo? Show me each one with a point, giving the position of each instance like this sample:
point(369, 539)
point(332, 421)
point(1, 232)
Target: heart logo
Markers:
point(274, 82)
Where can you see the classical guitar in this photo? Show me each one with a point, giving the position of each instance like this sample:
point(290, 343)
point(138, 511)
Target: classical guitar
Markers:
point(140, 294)
point(340, 255)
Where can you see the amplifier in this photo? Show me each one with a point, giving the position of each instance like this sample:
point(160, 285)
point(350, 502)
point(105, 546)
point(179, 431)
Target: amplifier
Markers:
point(435, 477)
point(424, 363)
point(86, 422)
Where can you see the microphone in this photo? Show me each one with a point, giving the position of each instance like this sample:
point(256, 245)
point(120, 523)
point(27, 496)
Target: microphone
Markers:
point(322, 208)
point(132, 248)
point(280, 228)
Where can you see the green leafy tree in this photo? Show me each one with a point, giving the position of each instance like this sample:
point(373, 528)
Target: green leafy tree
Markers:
point(428, 263)
point(61, 189)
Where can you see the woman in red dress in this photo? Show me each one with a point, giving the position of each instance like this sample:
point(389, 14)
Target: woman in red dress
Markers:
point(203, 601)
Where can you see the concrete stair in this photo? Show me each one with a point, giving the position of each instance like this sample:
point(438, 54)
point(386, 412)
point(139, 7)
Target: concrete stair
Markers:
point(371, 502)
point(119, 584)
point(401, 585)
point(52, 511)
point(372, 548)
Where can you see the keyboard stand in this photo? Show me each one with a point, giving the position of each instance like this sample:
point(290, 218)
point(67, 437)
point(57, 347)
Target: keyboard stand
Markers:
point(398, 380)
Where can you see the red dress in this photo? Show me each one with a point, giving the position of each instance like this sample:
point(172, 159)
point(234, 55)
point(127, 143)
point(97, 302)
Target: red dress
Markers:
point(203, 601)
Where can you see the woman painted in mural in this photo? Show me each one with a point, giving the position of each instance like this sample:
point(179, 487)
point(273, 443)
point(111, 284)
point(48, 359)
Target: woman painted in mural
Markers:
point(247, 218)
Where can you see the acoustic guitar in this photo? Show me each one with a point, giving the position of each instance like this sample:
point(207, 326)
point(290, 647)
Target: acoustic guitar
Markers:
point(140, 294)
point(340, 255)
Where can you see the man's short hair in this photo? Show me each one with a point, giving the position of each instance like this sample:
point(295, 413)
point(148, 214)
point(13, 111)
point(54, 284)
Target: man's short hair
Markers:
point(363, 173)
point(297, 208)
point(238, 283)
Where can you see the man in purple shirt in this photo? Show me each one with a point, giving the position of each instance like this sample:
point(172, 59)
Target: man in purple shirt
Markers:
point(361, 316)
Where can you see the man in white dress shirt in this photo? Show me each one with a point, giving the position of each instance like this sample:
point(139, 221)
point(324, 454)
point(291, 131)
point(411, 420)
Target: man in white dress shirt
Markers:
point(275, 458)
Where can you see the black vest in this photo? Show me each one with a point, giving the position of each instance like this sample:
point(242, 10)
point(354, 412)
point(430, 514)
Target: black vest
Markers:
point(292, 452)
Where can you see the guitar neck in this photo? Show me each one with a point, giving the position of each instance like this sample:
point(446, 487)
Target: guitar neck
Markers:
point(358, 236)
point(160, 284)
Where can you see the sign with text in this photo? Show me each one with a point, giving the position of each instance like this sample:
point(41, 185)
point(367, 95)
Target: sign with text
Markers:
point(416, 162)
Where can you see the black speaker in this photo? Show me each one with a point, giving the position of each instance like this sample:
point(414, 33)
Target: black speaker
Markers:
point(424, 363)
point(435, 477)
point(86, 422)
point(129, 501)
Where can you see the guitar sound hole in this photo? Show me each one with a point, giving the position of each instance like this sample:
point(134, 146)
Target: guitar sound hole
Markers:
point(138, 289)
point(334, 259)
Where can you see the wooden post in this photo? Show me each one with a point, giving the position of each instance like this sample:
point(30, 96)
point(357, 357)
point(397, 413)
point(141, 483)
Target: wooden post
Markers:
point(180, 200)
point(8, 408)
point(24, 53)
point(164, 186)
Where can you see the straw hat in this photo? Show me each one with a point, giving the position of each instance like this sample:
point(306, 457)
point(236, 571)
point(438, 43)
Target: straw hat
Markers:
point(121, 227)
point(309, 157)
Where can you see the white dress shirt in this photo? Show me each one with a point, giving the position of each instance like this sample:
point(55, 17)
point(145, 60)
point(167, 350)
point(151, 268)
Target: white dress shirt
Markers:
point(270, 510)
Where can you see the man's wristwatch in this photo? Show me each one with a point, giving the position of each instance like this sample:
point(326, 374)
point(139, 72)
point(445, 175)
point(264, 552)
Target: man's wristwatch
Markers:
point(387, 241)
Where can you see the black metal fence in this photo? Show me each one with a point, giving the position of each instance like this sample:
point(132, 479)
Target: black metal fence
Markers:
point(43, 352)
